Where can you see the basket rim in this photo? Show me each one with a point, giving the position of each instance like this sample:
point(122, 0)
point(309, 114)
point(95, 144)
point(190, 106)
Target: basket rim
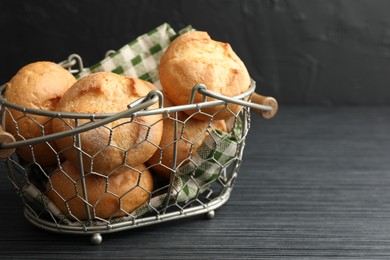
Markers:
point(135, 104)
point(136, 109)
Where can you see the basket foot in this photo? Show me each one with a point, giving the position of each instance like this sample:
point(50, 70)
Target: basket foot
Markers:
point(210, 214)
point(96, 239)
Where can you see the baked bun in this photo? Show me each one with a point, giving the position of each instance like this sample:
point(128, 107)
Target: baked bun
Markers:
point(191, 134)
point(194, 58)
point(108, 196)
point(38, 85)
point(124, 141)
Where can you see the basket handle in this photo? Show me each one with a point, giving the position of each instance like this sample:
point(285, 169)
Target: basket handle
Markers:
point(265, 101)
point(262, 105)
point(6, 137)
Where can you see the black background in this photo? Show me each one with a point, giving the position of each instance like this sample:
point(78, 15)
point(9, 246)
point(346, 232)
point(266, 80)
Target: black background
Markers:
point(310, 52)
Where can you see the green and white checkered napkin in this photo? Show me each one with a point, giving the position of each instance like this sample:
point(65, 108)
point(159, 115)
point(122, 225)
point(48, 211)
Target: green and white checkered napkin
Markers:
point(140, 58)
point(213, 156)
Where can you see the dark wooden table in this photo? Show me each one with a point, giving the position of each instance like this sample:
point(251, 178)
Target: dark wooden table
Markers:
point(315, 182)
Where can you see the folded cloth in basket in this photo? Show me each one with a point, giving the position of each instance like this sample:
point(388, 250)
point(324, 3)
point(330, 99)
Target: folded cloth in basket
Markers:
point(213, 156)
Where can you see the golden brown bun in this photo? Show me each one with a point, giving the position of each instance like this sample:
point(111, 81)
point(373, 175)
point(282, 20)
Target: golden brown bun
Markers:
point(107, 146)
point(194, 58)
point(38, 85)
point(188, 140)
point(108, 196)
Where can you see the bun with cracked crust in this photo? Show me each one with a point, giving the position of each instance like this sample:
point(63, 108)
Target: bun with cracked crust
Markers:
point(194, 58)
point(108, 196)
point(124, 141)
point(38, 85)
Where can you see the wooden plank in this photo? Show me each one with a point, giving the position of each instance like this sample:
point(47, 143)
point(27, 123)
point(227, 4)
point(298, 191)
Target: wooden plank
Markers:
point(314, 183)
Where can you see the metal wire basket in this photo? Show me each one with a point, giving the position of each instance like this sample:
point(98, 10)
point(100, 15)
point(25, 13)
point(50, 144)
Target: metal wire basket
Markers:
point(30, 179)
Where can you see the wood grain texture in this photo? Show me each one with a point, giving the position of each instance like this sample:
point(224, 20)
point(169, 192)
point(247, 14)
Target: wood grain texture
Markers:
point(314, 184)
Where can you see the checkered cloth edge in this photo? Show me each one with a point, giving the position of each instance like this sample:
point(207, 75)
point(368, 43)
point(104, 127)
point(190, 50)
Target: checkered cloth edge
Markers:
point(140, 57)
point(213, 156)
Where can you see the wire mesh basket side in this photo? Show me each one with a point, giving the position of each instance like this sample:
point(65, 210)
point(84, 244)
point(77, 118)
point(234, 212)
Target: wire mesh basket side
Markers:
point(183, 195)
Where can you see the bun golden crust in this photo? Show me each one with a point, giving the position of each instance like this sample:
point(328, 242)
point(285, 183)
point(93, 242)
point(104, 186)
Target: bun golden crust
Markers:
point(38, 85)
point(194, 58)
point(124, 141)
point(108, 196)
